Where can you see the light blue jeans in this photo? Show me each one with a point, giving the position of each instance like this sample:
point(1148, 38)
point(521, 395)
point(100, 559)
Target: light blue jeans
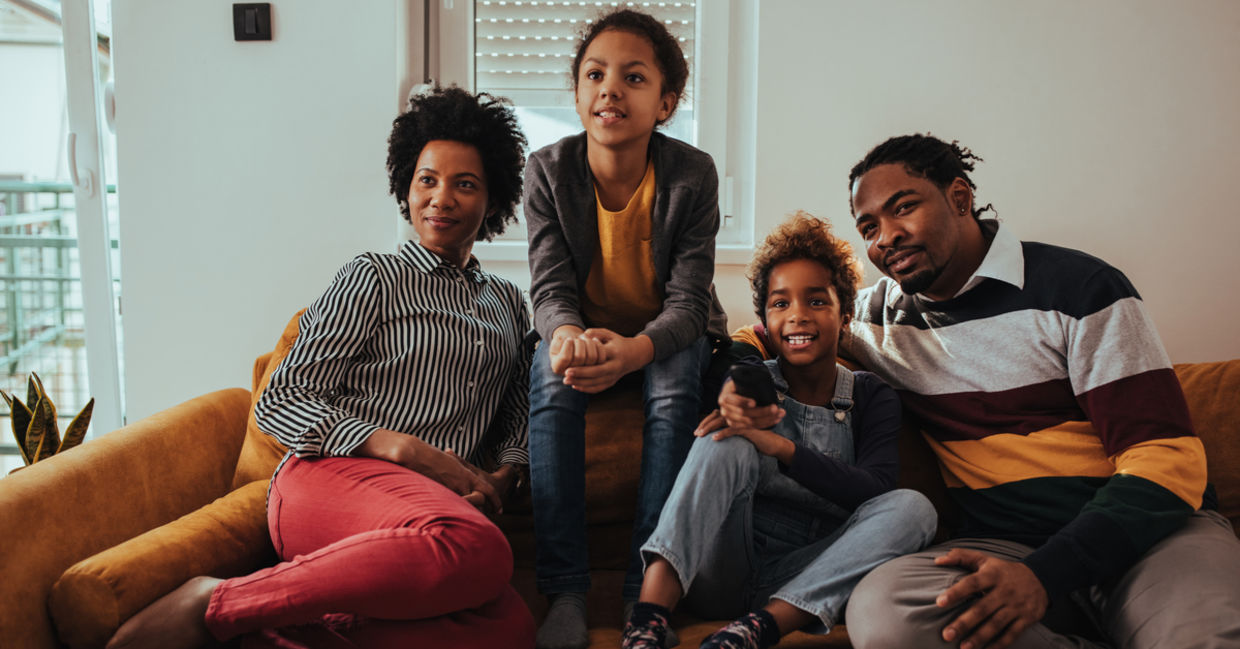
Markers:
point(557, 463)
point(734, 551)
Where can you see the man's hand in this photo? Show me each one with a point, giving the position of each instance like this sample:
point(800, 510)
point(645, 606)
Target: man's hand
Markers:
point(569, 348)
point(622, 355)
point(1011, 600)
point(735, 410)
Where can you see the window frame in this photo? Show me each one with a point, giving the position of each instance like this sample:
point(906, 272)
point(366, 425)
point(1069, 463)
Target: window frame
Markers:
point(725, 32)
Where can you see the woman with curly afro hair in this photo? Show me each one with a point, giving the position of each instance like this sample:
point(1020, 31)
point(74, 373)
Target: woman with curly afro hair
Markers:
point(483, 122)
point(403, 403)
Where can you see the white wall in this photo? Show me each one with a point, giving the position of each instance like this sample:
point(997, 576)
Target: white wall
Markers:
point(1108, 126)
point(32, 111)
point(249, 172)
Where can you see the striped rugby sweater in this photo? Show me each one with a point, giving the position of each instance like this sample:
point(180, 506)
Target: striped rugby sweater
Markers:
point(1053, 409)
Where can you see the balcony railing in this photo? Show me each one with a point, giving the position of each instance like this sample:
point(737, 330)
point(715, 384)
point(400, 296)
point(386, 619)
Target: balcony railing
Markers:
point(41, 321)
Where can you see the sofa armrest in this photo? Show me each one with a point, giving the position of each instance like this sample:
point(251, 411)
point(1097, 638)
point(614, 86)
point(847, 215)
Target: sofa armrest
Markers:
point(224, 539)
point(105, 491)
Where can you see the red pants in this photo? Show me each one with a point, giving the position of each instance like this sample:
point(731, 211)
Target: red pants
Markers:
point(375, 556)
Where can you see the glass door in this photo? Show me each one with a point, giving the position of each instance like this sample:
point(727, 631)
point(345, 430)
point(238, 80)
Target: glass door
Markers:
point(57, 210)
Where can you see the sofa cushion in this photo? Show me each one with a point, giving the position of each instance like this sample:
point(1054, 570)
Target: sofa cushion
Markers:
point(614, 423)
point(261, 453)
point(225, 538)
point(1211, 390)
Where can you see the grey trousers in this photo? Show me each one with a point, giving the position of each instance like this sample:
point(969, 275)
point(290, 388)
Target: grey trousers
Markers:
point(1183, 594)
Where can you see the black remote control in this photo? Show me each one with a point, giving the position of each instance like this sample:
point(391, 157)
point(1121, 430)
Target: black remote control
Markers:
point(755, 382)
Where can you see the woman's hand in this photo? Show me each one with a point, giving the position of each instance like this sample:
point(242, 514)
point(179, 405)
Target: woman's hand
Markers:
point(446, 469)
point(504, 480)
point(622, 356)
point(569, 348)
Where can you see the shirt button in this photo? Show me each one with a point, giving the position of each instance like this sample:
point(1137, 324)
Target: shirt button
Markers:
point(478, 342)
point(469, 311)
point(470, 384)
point(460, 429)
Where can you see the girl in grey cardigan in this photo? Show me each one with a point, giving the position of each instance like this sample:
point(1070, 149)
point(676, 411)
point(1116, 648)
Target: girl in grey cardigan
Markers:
point(622, 223)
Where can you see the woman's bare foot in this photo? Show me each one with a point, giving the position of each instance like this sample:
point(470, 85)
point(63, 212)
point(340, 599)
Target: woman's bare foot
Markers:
point(174, 621)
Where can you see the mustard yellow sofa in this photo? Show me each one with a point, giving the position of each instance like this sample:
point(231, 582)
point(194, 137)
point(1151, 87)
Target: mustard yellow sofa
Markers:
point(91, 536)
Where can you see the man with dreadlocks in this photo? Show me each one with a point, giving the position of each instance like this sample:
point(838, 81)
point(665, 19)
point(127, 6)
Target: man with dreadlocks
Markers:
point(1058, 422)
point(1060, 428)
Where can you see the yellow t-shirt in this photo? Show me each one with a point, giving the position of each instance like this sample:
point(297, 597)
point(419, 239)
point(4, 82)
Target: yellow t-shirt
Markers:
point(622, 292)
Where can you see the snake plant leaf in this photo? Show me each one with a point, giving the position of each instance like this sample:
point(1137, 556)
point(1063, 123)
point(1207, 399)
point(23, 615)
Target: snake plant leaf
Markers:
point(34, 390)
point(19, 417)
point(49, 437)
point(35, 434)
point(50, 405)
point(76, 430)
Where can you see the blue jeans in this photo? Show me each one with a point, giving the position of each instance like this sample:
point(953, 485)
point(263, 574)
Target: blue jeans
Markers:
point(734, 551)
point(557, 463)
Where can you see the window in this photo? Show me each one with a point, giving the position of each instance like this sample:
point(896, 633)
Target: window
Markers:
point(523, 50)
point(57, 314)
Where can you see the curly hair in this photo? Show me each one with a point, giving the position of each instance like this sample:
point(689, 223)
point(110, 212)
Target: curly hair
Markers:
point(667, 53)
point(924, 156)
point(482, 121)
point(803, 236)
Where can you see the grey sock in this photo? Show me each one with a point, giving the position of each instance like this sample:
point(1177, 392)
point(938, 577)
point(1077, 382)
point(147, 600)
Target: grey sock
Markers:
point(565, 624)
point(670, 640)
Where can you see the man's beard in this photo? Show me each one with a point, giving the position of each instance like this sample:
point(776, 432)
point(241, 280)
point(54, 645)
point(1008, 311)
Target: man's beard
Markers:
point(919, 281)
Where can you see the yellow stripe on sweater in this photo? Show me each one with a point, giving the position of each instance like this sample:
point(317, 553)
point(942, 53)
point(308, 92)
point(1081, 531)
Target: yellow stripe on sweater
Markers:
point(1178, 464)
point(1070, 449)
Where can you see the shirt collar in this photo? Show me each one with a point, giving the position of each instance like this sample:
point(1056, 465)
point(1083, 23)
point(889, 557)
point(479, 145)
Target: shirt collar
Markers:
point(1004, 261)
point(427, 261)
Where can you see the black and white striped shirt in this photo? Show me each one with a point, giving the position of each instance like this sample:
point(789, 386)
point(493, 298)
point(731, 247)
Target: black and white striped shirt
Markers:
point(410, 343)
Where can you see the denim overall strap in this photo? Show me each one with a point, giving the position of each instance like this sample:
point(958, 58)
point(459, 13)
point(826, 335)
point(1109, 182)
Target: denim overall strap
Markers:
point(842, 401)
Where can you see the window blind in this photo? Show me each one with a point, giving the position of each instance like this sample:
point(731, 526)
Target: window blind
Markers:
point(526, 45)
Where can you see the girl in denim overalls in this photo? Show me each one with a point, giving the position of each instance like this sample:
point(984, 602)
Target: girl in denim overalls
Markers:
point(780, 511)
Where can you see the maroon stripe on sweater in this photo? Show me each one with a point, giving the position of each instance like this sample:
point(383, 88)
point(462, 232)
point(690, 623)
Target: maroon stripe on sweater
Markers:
point(1138, 408)
point(974, 415)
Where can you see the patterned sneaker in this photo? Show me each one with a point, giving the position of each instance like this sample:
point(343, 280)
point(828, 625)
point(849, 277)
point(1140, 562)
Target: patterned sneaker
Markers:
point(672, 639)
point(646, 627)
point(756, 630)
